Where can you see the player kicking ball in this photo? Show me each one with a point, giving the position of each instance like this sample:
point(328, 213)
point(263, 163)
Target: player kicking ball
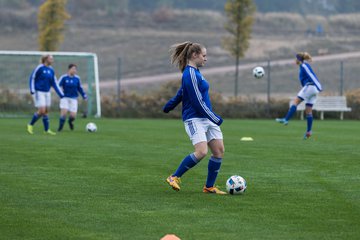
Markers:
point(310, 89)
point(201, 123)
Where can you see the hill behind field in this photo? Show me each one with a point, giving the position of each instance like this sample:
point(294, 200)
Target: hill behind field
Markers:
point(142, 39)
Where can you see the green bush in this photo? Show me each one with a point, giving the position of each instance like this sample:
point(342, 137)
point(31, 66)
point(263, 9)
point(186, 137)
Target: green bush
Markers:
point(353, 101)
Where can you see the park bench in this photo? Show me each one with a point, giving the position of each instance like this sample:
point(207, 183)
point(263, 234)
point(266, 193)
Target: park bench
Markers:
point(326, 104)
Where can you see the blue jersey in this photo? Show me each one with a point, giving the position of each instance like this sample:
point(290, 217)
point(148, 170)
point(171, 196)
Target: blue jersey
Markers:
point(42, 78)
point(194, 94)
point(71, 86)
point(308, 77)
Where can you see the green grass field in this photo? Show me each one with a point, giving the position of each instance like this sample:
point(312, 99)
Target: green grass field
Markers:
point(111, 184)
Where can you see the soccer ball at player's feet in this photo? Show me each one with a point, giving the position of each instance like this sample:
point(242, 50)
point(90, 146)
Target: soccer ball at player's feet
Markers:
point(236, 185)
point(91, 127)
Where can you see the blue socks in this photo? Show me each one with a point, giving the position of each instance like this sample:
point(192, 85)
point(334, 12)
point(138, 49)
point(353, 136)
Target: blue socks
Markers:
point(34, 119)
point(190, 161)
point(71, 119)
point(291, 112)
point(187, 163)
point(309, 118)
point(46, 122)
point(213, 170)
point(61, 122)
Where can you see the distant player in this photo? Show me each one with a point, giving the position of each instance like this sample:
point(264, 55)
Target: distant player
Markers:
point(40, 82)
point(201, 123)
point(310, 89)
point(71, 86)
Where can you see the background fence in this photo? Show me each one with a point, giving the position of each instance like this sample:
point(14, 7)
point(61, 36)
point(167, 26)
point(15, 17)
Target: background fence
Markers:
point(339, 74)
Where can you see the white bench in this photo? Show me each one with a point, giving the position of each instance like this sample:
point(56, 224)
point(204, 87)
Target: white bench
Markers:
point(326, 104)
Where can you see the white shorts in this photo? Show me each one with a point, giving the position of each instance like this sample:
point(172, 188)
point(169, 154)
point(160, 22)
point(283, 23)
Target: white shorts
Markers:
point(309, 94)
point(42, 99)
point(202, 130)
point(71, 104)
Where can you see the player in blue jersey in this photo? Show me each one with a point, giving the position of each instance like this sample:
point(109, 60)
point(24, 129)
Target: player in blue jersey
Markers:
point(201, 123)
point(71, 86)
point(310, 89)
point(41, 80)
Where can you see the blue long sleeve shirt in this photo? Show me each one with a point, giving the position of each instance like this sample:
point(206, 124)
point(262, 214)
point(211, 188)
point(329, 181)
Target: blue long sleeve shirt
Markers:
point(194, 95)
point(307, 76)
point(42, 79)
point(71, 86)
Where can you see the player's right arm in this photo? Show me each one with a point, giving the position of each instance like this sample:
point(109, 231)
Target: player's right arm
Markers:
point(173, 102)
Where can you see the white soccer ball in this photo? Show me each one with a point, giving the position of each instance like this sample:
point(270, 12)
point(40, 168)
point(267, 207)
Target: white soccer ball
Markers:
point(236, 185)
point(91, 127)
point(258, 72)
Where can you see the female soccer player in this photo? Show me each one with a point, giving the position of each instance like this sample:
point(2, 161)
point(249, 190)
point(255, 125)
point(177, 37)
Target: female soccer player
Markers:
point(40, 82)
point(71, 85)
point(201, 123)
point(310, 88)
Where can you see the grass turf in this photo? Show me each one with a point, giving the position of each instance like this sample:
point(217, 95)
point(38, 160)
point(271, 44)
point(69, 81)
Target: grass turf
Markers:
point(111, 184)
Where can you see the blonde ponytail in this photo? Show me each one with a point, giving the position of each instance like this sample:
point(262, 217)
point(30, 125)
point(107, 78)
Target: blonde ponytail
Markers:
point(182, 52)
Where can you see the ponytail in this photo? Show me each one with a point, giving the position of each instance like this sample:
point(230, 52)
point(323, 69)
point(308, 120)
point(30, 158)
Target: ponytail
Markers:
point(301, 56)
point(182, 52)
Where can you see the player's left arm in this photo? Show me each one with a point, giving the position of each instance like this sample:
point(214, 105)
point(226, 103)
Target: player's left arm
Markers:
point(308, 70)
point(55, 85)
point(81, 90)
point(197, 102)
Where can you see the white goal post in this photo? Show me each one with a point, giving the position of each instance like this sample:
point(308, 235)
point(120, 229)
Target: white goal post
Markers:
point(16, 67)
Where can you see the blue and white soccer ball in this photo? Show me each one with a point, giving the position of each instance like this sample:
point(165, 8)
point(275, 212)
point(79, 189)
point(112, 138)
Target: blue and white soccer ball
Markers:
point(258, 72)
point(236, 185)
point(91, 127)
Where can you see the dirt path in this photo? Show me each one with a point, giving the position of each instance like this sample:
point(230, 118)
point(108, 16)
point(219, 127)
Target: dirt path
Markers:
point(219, 70)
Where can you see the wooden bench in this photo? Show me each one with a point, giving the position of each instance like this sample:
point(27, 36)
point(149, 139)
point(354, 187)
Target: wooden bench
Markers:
point(326, 104)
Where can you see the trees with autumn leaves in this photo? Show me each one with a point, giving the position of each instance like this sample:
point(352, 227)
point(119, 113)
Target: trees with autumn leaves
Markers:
point(51, 18)
point(240, 18)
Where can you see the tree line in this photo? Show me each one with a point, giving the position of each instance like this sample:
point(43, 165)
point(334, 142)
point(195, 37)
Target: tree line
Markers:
point(126, 6)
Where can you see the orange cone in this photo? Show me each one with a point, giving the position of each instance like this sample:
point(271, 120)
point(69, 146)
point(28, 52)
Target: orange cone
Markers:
point(170, 237)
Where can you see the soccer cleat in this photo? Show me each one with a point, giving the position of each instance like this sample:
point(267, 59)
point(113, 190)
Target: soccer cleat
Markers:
point(213, 190)
point(49, 132)
point(30, 129)
point(307, 135)
point(174, 182)
point(282, 120)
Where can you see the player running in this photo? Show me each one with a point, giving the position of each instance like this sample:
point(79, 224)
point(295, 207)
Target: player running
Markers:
point(71, 85)
point(40, 82)
point(201, 123)
point(310, 89)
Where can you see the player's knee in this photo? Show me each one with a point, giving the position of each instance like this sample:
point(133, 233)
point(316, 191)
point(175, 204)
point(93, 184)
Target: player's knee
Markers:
point(200, 153)
point(219, 152)
point(41, 112)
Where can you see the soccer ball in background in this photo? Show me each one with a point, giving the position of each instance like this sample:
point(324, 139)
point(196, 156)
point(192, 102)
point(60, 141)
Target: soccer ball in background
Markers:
point(236, 185)
point(91, 127)
point(258, 72)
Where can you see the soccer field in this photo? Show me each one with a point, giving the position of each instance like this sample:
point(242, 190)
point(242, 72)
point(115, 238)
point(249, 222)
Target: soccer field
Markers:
point(111, 184)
